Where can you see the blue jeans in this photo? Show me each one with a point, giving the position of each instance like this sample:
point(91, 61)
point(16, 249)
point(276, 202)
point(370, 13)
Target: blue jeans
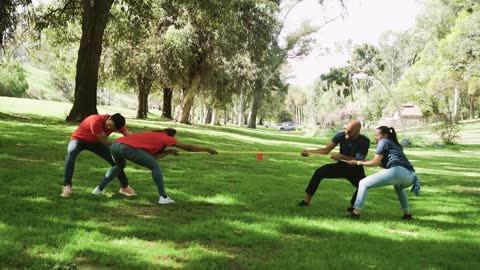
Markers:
point(121, 153)
point(397, 176)
point(77, 146)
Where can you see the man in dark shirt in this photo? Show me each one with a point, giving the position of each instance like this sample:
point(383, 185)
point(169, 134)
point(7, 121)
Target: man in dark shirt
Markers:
point(353, 146)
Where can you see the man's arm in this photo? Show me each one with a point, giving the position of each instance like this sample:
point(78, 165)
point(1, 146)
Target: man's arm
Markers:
point(195, 148)
point(165, 153)
point(342, 157)
point(322, 151)
point(126, 133)
point(376, 161)
point(103, 139)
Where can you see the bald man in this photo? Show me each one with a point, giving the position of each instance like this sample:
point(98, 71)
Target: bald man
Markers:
point(353, 146)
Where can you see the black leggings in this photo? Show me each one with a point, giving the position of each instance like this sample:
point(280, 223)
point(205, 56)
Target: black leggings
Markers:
point(337, 170)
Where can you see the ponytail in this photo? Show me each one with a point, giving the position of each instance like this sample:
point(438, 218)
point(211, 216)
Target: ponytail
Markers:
point(391, 134)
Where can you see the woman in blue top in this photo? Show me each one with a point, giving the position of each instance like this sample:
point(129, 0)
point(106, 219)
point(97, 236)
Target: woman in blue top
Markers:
point(398, 171)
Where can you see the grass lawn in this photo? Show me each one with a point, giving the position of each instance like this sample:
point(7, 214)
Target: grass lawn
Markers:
point(231, 211)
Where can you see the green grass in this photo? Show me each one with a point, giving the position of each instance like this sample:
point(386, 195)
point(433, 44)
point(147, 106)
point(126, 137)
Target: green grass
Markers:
point(40, 85)
point(231, 212)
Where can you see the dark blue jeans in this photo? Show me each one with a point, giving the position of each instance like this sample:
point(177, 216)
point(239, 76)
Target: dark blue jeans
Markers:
point(77, 146)
point(121, 153)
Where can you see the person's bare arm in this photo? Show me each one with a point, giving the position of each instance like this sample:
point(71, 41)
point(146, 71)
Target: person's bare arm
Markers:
point(103, 139)
point(126, 133)
point(322, 151)
point(195, 148)
point(341, 157)
point(166, 153)
point(376, 161)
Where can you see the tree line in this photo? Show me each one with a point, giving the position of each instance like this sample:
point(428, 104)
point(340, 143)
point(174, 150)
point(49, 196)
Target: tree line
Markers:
point(226, 59)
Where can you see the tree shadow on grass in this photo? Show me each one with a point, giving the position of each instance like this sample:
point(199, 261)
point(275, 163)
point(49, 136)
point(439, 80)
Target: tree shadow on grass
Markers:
point(228, 223)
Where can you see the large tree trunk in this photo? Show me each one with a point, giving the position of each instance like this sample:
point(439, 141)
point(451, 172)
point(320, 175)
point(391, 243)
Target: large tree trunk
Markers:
point(187, 100)
point(241, 115)
point(167, 103)
point(252, 122)
point(94, 20)
point(213, 117)
point(208, 116)
point(144, 84)
point(1, 44)
point(455, 101)
point(472, 106)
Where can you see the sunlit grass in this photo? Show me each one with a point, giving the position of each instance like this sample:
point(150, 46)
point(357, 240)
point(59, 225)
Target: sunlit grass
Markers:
point(231, 211)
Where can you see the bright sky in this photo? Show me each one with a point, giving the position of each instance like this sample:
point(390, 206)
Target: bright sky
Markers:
point(364, 22)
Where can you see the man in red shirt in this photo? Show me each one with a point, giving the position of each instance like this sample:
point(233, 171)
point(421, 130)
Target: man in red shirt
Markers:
point(144, 148)
point(92, 135)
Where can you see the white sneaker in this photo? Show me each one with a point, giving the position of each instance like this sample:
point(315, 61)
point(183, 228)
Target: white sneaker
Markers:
point(97, 192)
point(166, 200)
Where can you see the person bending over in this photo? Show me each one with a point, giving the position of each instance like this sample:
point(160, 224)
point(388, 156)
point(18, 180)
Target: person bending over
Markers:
point(92, 135)
point(144, 149)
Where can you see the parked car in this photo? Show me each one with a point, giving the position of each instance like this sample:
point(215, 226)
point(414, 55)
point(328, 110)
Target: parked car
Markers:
point(285, 126)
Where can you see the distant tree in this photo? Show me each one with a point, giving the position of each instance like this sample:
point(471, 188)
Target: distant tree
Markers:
point(9, 17)
point(94, 16)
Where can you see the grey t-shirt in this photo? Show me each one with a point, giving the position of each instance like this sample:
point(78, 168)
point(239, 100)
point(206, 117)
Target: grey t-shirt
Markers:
point(357, 148)
point(392, 155)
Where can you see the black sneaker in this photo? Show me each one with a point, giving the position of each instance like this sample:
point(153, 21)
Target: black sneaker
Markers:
point(407, 217)
point(349, 211)
point(303, 204)
point(354, 216)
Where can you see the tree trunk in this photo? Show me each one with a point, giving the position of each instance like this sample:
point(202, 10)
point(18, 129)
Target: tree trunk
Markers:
point(1, 45)
point(241, 110)
point(213, 117)
point(208, 116)
point(187, 100)
point(455, 101)
point(254, 109)
point(167, 103)
point(94, 20)
point(144, 84)
point(472, 106)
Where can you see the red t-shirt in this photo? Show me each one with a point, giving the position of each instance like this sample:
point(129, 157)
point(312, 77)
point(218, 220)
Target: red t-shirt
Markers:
point(92, 125)
point(150, 141)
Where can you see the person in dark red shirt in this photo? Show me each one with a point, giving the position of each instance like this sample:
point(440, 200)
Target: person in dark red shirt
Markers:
point(92, 135)
point(143, 149)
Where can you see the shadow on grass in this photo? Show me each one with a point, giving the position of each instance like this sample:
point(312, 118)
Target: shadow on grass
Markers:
point(231, 213)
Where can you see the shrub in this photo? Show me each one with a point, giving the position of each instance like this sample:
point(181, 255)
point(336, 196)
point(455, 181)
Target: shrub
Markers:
point(447, 130)
point(285, 116)
point(13, 80)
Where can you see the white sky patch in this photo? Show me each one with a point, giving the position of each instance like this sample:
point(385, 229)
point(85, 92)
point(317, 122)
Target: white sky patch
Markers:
point(364, 22)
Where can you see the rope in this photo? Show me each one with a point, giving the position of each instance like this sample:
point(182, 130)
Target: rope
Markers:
point(246, 152)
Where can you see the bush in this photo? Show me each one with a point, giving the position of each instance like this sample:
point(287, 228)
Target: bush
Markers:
point(447, 130)
point(13, 80)
point(285, 116)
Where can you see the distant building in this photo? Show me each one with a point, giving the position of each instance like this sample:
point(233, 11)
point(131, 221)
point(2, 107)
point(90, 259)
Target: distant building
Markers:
point(411, 115)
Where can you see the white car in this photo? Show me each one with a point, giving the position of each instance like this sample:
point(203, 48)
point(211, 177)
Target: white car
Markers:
point(285, 126)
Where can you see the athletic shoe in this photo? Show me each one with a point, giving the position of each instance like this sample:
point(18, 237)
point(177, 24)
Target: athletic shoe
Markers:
point(303, 204)
point(165, 200)
point(354, 216)
point(67, 191)
point(349, 211)
point(128, 191)
point(97, 191)
point(407, 217)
